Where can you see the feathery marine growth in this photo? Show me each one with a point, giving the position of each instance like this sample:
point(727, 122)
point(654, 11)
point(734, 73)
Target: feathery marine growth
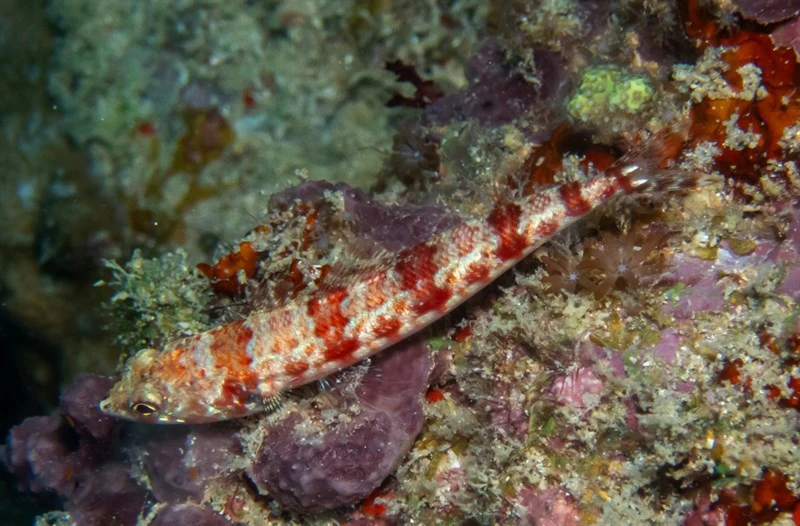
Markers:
point(234, 370)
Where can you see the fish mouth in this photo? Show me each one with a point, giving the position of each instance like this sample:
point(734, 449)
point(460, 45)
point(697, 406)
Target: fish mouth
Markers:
point(105, 406)
point(109, 408)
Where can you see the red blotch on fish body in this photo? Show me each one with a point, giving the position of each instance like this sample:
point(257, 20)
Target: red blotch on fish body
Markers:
point(229, 347)
point(244, 335)
point(505, 220)
point(341, 350)
point(547, 228)
point(477, 272)
point(296, 368)
point(326, 311)
point(616, 183)
point(234, 394)
point(229, 350)
point(416, 266)
point(386, 327)
point(432, 299)
point(621, 182)
point(572, 199)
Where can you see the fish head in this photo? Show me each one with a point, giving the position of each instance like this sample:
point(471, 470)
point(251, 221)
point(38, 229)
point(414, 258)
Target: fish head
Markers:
point(156, 389)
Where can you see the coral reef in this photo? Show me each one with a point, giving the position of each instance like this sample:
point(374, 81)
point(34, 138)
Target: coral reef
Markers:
point(642, 368)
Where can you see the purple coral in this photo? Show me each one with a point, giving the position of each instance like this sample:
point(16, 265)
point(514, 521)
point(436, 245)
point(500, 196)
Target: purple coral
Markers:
point(391, 227)
point(182, 461)
point(72, 454)
point(768, 11)
point(550, 507)
point(788, 35)
point(579, 389)
point(77, 455)
point(497, 93)
point(188, 513)
point(107, 495)
point(323, 469)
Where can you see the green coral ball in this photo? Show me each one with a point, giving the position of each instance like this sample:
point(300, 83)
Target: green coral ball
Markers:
point(606, 90)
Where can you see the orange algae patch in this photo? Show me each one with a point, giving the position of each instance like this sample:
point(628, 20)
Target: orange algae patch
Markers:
point(248, 98)
point(546, 161)
point(374, 509)
point(208, 134)
point(600, 159)
point(146, 129)
point(766, 117)
point(434, 395)
point(770, 497)
point(771, 493)
point(793, 400)
point(462, 334)
point(731, 372)
point(699, 23)
point(224, 275)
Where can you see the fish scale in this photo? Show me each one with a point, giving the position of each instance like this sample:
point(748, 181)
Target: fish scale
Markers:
point(234, 370)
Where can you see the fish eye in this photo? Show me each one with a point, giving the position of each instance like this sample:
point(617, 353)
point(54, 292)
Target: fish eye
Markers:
point(144, 408)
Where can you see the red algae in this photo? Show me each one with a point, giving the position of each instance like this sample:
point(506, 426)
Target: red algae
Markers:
point(225, 274)
point(765, 116)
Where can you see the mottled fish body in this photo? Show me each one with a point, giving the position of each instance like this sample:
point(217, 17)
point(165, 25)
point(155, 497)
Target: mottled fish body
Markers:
point(232, 370)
